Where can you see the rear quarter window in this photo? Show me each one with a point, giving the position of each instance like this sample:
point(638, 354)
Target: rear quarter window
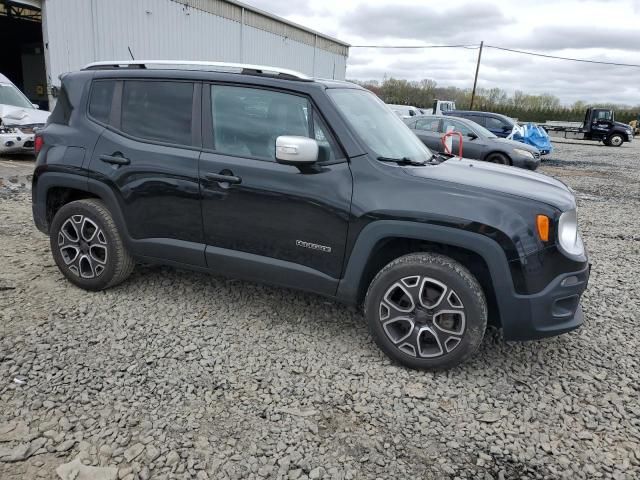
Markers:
point(101, 99)
point(62, 111)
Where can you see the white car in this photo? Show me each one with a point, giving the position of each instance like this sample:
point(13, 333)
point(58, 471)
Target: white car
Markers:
point(19, 119)
point(406, 111)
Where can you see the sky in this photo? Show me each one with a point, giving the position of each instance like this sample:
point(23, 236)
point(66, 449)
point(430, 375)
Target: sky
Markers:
point(606, 30)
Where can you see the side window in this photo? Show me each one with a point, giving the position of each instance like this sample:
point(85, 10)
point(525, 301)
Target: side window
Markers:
point(430, 125)
point(479, 119)
point(158, 111)
point(457, 127)
point(494, 124)
point(100, 100)
point(328, 148)
point(247, 121)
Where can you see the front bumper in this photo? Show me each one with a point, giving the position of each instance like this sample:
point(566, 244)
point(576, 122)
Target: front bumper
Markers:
point(553, 311)
point(17, 142)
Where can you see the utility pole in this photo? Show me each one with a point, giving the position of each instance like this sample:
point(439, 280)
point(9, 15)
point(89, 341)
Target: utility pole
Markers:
point(475, 81)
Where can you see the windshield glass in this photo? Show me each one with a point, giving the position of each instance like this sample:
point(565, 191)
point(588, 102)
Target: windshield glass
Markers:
point(10, 95)
point(378, 126)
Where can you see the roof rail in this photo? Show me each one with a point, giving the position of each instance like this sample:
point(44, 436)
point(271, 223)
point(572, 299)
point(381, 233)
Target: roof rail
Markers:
point(242, 68)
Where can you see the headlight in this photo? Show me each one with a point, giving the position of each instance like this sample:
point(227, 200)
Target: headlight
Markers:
point(629, 132)
point(568, 235)
point(524, 153)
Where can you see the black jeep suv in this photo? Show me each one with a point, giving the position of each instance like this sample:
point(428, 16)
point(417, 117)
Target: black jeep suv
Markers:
point(268, 175)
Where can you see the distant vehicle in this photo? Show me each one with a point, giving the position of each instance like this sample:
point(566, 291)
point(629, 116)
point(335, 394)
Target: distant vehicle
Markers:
point(635, 126)
point(406, 111)
point(478, 143)
point(599, 124)
point(18, 119)
point(441, 107)
point(498, 124)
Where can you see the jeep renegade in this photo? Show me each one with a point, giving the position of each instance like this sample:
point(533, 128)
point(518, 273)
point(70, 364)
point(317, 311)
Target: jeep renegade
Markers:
point(268, 175)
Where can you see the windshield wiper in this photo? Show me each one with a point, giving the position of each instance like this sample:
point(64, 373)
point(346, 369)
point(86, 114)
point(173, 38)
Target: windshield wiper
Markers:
point(401, 161)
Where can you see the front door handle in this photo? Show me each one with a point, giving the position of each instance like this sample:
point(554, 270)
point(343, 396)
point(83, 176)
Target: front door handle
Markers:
point(223, 178)
point(115, 159)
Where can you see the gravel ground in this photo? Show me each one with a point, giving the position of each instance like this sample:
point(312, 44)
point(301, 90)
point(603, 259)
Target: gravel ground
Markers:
point(181, 375)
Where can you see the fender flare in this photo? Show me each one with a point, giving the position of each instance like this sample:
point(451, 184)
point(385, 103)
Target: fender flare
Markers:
point(489, 250)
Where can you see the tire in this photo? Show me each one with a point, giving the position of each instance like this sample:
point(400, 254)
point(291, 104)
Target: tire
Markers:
point(498, 158)
point(87, 246)
point(615, 140)
point(426, 311)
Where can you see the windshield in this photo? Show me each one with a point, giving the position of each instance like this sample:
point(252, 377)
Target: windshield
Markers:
point(378, 126)
point(10, 95)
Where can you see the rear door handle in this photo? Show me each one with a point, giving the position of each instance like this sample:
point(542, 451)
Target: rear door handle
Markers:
point(115, 159)
point(221, 178)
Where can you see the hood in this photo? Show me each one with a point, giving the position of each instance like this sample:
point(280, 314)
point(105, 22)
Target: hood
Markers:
point(516, 144)
point(500, 178)
point(11, 115)
point(624, 126)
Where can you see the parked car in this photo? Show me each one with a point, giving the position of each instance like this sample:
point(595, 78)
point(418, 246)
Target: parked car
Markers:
point(478, 142)
point(18, 119)
point(322, 188)
point(498, 124)
point(406, 111)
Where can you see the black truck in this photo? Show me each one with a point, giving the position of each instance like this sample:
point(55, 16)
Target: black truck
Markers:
point(269, 175)
point(599, 124)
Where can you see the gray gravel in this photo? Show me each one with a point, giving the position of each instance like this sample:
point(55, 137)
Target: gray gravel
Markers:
point(181, 375)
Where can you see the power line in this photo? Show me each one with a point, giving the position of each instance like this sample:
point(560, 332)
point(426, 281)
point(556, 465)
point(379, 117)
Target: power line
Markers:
point(495, 47)
point(584, 60)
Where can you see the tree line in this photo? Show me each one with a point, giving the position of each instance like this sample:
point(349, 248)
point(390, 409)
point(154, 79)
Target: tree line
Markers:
point(519, 105)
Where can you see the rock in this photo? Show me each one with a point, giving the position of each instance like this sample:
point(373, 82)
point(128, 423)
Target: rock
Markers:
point(13, 431)
point(489, 417)
point(317, 473)
point(75, 470)
point(172, 458)
point(15, 454)
point(152, 452)
point(66, 445)
point(416, 390)
point(133, 451)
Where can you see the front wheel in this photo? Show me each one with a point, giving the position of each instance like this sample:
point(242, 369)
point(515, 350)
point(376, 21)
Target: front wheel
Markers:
point(426, 311)
point(499, 159)
point(615, 140)
point(87, 246)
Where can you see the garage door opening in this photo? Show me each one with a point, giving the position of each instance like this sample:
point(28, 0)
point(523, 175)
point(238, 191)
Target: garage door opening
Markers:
point(22, 54)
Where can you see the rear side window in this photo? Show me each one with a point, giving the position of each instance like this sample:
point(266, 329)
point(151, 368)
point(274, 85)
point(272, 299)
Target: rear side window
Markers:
point(158, 111)
point(494, 123)
point(100, 100)
point(430, 125)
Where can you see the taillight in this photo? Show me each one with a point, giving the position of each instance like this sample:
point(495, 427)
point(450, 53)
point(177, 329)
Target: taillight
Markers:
point(38, 143)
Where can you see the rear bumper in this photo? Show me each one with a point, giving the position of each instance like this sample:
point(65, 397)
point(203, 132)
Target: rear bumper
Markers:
point(553, 311)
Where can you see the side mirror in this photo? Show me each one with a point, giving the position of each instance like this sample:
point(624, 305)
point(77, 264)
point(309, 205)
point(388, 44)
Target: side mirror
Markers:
point(472, 135)
point(292, 150)
point(36, 106)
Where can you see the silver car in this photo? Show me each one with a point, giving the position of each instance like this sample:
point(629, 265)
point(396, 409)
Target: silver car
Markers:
point(477, 142)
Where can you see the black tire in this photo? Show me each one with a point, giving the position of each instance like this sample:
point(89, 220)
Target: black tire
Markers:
point(498, 158)
point(85, 228)
point(423, 326)
point(615, 140)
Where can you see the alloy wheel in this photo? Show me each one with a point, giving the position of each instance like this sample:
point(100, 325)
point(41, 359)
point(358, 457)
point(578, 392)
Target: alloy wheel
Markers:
point(83, 246)
point(422, 316)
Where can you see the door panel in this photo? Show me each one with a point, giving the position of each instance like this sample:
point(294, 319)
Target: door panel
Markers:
point(155, 185)
point(275, 214)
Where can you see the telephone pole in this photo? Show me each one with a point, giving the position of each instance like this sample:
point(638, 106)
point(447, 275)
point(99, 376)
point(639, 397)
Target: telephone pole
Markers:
point(475, 81)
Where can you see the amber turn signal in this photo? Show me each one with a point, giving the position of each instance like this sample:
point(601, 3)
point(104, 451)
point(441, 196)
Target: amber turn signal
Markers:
point(542, 222)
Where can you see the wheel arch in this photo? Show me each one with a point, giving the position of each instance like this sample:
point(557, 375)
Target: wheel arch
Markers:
point(381, 242)
point(493, 152)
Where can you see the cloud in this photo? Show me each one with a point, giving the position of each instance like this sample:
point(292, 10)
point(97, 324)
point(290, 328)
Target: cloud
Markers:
point(555, 37)
point(417, 21)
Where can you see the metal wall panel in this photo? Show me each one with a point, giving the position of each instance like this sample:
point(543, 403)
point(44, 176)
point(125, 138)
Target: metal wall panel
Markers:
point(82, 31)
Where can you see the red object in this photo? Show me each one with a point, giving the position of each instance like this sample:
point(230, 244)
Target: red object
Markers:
point(444, 143)
point(38, 143)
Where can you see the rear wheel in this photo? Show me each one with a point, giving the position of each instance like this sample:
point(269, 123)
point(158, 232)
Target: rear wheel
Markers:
point(499, 159)
point(87, 246)
point(615, 140)
point(426, 311)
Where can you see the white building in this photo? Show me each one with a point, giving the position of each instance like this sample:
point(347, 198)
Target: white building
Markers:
point(50, 37)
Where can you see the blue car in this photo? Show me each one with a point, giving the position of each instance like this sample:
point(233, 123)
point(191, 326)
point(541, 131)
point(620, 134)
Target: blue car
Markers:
point(498, 124)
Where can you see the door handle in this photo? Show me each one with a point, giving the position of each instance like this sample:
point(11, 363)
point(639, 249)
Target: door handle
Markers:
point(115, 159)
point(222, 178)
